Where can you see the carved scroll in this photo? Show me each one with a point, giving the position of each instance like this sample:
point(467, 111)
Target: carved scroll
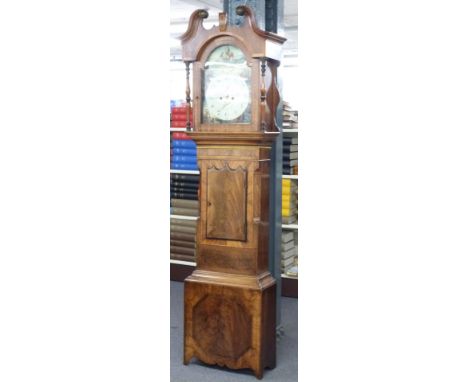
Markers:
point(195, 22)
point(243, 10)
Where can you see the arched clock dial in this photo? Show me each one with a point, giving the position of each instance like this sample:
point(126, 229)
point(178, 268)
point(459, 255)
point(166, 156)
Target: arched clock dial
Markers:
point(226, 91)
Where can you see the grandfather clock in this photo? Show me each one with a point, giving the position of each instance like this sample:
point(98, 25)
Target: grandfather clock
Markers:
point(230, 298)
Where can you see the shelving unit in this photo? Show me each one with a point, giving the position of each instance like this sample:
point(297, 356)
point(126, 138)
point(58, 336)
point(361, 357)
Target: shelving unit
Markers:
point(181, 262)
point(183, 221)
point(289, 226)
point(184, 217)
point(193, 172)
point(290, 282)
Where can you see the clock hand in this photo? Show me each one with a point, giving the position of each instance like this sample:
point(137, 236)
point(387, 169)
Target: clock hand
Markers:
point(222, 107)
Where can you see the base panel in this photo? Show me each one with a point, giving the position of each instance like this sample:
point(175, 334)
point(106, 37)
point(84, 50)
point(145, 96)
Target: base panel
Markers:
point(231, 326)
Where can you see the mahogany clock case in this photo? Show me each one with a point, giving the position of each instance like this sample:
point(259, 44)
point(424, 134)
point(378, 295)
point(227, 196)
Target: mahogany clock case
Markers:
point(230, 298)
point(198, 74)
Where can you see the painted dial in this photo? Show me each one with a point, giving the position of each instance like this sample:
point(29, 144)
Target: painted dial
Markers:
point(226, 97)
point(226, 88)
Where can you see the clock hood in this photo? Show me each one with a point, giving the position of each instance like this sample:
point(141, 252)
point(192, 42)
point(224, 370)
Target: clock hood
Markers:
point(264, 44)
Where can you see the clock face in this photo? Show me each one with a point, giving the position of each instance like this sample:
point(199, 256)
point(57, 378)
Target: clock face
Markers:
point(226, 88)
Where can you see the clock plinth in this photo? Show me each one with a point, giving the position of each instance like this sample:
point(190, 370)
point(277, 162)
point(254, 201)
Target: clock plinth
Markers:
point(230, 320)
point(230, 298)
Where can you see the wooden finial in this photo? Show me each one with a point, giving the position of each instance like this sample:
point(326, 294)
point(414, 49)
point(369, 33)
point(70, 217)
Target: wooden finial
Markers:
point(243, 10)
point(222, 21)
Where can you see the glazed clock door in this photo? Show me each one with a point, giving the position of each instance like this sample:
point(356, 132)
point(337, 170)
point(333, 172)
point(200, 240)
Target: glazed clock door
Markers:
point(226, 89)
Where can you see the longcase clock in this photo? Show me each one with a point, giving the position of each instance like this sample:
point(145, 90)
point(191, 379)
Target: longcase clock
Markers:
point(230, 298)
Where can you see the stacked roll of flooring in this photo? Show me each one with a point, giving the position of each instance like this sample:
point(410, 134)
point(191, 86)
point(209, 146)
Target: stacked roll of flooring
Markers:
point(184, 207)
point(290, 117)
point(183, 152)
point(290, 155)
point(179, 115)
point(288, 251)
point(289, 201)
point(184, 186)
point(184, 203)
point(183, 239)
